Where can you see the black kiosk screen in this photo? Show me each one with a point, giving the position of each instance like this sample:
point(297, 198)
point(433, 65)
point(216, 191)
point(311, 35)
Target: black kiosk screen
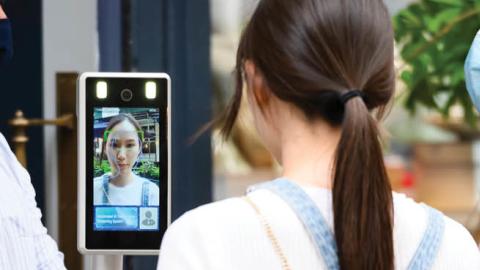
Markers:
point(126, 171)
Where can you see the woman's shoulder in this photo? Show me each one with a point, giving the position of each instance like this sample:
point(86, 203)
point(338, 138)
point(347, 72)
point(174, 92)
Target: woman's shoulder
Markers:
point(230, 235)
point(206, 223)
point(234, 208)
point(227, 209)
point(150, 183)
point(409, 212)
point(415, 215)
point(226, 218)
point(98, 181)
point(457, 247)
point(204, 235)
point(213, 219)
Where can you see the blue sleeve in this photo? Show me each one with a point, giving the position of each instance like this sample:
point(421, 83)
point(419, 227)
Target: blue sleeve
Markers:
point(6, 50)
point(472, 71)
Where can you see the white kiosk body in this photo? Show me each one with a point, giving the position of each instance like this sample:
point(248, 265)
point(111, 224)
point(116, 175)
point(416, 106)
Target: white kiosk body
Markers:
point(124, 163)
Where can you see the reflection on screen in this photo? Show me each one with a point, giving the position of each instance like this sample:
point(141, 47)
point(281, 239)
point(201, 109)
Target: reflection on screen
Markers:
point(126, 169)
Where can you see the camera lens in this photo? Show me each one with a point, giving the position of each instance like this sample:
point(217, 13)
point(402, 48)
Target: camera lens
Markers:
point(126, 94)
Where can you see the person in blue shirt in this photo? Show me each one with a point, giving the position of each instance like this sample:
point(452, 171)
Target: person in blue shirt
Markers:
point(472, 71)
point(24, 242)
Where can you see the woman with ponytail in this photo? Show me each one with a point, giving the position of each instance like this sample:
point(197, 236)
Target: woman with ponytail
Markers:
point(318, 75)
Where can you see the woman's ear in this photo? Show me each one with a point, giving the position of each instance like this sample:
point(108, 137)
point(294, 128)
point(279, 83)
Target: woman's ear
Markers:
point(256, 83)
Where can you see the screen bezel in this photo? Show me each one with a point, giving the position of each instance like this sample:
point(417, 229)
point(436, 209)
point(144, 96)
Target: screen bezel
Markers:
point(124, 242)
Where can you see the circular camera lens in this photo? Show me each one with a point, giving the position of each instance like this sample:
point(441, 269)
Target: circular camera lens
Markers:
point(126, 94)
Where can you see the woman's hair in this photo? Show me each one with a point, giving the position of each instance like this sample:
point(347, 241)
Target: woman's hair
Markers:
point(117, 120)
point(310, 53)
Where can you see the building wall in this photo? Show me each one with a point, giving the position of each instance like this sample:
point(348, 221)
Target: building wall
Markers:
point(69, 44)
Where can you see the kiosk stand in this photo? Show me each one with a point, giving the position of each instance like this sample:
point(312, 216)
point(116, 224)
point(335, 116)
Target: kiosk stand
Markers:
point(105, 262)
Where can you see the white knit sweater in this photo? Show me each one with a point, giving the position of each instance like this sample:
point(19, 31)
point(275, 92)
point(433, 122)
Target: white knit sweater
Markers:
point(228, 235)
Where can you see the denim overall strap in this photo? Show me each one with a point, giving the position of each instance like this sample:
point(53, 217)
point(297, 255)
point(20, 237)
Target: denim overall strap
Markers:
point(309, 215)
point(145, 193)
point(427, 250)
point(105, 181)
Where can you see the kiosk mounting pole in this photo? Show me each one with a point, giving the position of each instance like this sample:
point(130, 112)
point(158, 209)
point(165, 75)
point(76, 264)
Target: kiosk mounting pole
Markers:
point(106, 262)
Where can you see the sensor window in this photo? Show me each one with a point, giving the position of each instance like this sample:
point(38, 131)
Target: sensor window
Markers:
point(101, 90)
point(151, 90)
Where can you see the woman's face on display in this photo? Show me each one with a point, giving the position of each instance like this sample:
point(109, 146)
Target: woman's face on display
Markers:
point(123, 147)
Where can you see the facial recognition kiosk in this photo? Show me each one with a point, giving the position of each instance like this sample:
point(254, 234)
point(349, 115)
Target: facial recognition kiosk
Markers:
point(124, 162)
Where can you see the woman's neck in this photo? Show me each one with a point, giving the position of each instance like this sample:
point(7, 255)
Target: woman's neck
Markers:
point(308, 153)
point(121, 180)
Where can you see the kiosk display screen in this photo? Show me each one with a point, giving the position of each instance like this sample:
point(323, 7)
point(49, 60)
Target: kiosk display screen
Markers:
point(126, 175)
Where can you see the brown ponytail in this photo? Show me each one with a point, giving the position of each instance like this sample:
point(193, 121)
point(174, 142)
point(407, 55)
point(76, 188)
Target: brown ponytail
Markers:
point(362, 198)
point(310, 53)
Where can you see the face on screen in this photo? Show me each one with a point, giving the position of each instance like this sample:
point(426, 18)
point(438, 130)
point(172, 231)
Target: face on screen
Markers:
point(126, 169)
point(123, 149)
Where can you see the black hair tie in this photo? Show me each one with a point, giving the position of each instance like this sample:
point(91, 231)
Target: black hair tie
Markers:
point(351, 94)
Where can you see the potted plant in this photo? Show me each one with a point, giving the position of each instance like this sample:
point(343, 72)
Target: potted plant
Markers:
point(434, 37)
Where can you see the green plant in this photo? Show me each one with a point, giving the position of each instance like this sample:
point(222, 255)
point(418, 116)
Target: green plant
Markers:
point(434, 37)
point(100, 168)
point(148, 169)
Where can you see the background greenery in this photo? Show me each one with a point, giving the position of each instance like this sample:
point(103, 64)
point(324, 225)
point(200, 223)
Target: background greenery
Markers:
point(434, 37)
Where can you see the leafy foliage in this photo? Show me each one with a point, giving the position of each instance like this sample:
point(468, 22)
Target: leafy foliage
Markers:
point(148, 169)
point(434, 37)
point(100, 168)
